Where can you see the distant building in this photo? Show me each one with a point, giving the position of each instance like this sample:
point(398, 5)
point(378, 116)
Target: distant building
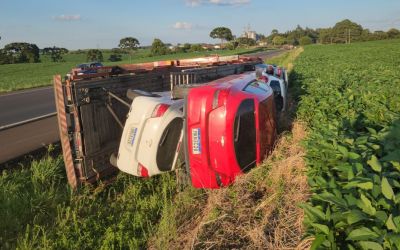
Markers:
point(248, 33)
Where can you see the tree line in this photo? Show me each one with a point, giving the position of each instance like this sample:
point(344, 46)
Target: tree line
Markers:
point(344, 31)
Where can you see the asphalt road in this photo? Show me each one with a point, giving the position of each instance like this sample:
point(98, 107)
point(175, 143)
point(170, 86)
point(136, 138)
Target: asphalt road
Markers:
point(267, 54)
point(19, 106)
point(23, 139)
point(26, 104)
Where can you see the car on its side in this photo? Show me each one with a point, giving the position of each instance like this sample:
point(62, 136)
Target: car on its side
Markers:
point(275, 78)
point(152, 134)
point(229, 127)
point(88, 68)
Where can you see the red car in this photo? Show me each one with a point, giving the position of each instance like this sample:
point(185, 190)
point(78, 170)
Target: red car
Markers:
point(230, 126)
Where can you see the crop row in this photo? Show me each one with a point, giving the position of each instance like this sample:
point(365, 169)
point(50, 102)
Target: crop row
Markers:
point(351, 103)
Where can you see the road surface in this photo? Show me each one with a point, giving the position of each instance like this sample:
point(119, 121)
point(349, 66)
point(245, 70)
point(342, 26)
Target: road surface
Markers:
point(26, 104)
point(26, 138)
point(267, 54)
point(21, 106)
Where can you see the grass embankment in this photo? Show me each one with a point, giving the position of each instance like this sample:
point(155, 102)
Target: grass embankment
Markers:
point(38, 209)
point(29, 75)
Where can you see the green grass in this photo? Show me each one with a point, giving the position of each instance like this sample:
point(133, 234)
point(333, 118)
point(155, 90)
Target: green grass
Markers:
point(29, 75)
point(38, 209)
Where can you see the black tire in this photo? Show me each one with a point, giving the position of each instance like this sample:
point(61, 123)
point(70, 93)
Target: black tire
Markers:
point(180, 91)
point(133, 93)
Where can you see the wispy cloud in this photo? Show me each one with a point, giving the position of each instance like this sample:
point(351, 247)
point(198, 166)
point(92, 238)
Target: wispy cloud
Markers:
point(195, 3)
point(183, 26)
point(67, 18)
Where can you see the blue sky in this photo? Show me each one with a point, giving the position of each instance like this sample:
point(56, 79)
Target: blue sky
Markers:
point(101, 23)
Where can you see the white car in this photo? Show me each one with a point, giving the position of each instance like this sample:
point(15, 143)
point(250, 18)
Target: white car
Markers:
point(152, 134)
point(275, 77)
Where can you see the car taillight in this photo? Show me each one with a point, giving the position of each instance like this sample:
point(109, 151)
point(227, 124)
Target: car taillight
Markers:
point(159, 110)
point(219, 98)
point(264, 79)
point(142, 171)
point(279, 72)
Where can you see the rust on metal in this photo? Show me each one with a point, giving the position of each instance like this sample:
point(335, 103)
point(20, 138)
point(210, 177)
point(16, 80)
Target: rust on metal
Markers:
point(63, 130)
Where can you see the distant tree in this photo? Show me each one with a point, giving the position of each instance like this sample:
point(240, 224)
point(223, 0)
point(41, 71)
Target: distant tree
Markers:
point(4, 58)
point(379, 35)
point(292, 39)
point(129, 44)
point(244, 41)
point(231, 45)
point(186, 47)
point(393, 33)
point(274, 32)
point(346, 31)
point(55, 53)
point(366, 35)
point(94, 55)
point(116, 55)
point(305, 40)
point(278, 40)
point(196, 48)
point(21, 53)
point(158, 48)
point(223, 33)
point(325, 36)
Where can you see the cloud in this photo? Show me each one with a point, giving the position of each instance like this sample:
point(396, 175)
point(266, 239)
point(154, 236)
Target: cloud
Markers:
point(182, 26)
point(67, 18)
point(195, 3)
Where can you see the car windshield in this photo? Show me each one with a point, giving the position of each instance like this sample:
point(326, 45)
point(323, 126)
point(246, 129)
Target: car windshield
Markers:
point(167, 146)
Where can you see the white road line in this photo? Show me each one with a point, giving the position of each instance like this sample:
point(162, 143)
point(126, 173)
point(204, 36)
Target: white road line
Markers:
point(27, 121)
point(27, 91)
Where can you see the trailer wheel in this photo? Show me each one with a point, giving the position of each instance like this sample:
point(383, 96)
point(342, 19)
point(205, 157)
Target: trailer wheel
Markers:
point(133, 93)
point(180, 91)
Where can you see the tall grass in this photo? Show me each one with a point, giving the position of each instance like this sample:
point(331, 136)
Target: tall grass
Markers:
point(39, 210)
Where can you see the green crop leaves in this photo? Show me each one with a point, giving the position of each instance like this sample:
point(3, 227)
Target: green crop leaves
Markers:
point(352, 106)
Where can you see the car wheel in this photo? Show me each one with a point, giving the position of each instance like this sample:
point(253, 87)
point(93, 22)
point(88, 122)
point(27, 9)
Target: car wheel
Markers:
point(133, 93)
point(180, 91)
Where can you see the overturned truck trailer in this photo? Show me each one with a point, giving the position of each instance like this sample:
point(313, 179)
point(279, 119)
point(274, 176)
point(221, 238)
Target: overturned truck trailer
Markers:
point(89, 105)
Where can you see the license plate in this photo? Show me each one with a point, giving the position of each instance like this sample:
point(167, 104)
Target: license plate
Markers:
point(132, 136)
point(196, 144)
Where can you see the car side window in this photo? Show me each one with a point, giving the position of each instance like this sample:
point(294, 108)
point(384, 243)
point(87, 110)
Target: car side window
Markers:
point(275, 85)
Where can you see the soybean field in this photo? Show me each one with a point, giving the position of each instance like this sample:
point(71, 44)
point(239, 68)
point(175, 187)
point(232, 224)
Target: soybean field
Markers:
point(351, 103)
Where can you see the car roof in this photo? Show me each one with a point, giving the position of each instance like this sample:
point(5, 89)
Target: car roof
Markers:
point(233, 81)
